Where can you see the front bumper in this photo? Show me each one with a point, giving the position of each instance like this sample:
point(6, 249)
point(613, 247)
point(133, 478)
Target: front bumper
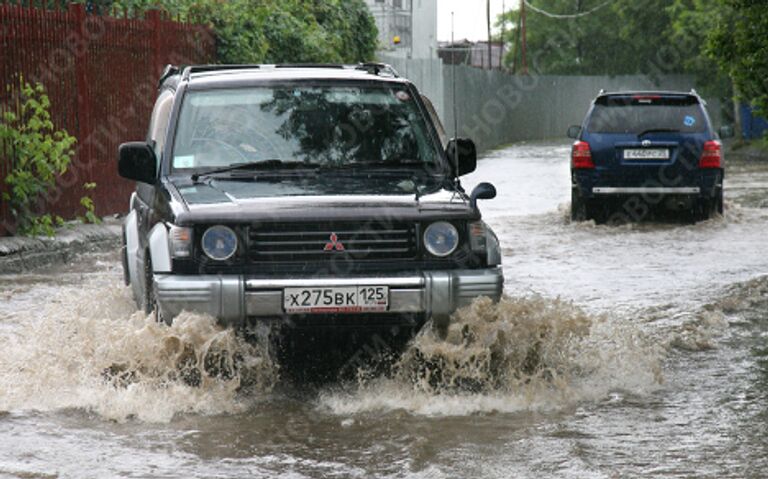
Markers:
point(233, 299)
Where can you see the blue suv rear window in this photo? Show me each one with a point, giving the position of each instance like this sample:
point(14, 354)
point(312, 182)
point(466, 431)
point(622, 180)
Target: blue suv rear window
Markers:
point(637, 114)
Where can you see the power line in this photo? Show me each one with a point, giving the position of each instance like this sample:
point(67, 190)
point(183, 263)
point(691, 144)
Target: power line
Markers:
point(559, 16)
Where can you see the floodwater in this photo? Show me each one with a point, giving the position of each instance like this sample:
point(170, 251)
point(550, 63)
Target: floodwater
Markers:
point(620, 351)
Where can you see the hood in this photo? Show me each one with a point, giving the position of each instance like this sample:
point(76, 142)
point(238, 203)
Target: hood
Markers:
point(318, 198)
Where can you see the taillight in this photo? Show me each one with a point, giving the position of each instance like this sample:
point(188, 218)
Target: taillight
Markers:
point(581, 156)
point(712, 156)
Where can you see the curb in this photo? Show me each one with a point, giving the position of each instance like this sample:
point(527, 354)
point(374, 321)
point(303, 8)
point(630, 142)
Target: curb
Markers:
point(19, 254)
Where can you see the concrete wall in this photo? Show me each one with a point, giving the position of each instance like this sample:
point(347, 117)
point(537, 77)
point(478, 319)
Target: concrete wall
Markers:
point(495, 108)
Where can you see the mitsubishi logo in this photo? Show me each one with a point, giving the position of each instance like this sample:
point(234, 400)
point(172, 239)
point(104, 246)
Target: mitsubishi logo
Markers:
point(646, 143)
point(334, 244)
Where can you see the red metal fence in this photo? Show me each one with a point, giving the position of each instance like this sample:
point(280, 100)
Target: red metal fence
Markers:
point(100, 73)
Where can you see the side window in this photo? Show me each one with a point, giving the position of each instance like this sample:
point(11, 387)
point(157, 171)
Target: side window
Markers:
point(158, 126)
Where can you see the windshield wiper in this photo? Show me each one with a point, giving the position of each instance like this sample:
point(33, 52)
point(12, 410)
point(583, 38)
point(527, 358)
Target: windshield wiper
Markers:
point(271, 164)
point(659, 130)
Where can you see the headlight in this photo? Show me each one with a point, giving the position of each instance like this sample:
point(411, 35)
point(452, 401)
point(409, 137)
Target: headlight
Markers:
point(441, 238)
point(219, 242)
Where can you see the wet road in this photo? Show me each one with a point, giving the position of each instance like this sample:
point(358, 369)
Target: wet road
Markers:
point(650, 344)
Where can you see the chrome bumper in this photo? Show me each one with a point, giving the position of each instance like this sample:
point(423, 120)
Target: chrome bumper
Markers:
point(233, 298)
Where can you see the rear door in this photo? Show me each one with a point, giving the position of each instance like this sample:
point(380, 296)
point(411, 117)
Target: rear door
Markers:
point(647, 139)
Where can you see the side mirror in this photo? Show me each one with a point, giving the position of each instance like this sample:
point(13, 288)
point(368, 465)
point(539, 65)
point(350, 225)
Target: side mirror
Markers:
point(483, 191)
point(466, 151)
point(136, 161)
point(726, 131)
point(574, 131)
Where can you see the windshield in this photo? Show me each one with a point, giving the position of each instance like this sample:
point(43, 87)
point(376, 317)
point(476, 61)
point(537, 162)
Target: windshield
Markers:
point(324, 126)
point(639, 116)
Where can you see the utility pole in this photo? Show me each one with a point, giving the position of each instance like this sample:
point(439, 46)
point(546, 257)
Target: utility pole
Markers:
point(488, 23)
point(522, 36)
point(503, 32)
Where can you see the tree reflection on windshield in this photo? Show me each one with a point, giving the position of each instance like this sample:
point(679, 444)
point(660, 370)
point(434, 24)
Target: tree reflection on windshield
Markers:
point(325, 126)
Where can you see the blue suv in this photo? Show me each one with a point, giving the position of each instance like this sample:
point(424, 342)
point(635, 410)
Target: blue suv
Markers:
point(638, 153)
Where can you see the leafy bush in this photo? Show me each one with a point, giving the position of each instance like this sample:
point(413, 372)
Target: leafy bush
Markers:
point(90, 208)
point(39, 152)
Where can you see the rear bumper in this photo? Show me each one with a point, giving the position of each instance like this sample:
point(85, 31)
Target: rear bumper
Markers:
point(599, 183)
point(233, 299)
point(661, 190)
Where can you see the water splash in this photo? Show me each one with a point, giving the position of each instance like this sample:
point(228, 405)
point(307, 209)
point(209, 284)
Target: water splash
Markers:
point(89, 349)
point(522, 353)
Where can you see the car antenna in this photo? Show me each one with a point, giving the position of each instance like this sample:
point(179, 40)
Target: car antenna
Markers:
point(455, 110)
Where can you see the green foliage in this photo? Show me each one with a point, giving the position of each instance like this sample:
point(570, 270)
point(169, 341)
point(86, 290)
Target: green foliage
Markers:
point(276, 31)
point(739, 43)
point(290, 31)
point(44, 225)
point(90, 208)
point(40, 153)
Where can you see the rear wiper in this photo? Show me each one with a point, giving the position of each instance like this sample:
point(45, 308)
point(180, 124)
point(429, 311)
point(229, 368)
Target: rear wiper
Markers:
point(271, 164)
point(659, 130)
point(377, 166)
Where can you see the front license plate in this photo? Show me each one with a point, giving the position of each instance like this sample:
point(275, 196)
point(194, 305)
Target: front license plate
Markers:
point(346, 299)
point(647, 154)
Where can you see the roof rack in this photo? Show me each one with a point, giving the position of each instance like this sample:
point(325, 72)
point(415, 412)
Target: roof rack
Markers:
point(168, 71)
point(378, 69)
point(211, 68)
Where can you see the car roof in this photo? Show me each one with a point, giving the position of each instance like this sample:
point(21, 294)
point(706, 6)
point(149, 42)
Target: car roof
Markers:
point(227, 76)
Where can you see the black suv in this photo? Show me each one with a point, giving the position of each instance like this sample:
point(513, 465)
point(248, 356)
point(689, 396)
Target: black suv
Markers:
point(639, 152)
point(314, 195)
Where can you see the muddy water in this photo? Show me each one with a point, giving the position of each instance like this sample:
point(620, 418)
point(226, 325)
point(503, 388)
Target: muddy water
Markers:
point(628, 351)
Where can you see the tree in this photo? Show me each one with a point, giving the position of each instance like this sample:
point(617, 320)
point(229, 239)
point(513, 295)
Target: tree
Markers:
point(692, 22)
point(593, 37)
point(739, 43)
point(275, 31)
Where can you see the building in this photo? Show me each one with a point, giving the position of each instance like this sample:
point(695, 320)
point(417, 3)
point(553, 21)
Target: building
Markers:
point(412, 22)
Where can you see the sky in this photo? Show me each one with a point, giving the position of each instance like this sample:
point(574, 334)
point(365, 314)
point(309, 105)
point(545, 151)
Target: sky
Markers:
point(470, 19)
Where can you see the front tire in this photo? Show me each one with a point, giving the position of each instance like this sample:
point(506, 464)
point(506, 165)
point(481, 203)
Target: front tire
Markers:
point(150, 300)
point(150, 294)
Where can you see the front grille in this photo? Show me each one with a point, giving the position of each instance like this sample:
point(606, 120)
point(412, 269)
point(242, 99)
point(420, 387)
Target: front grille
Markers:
point(360, 241)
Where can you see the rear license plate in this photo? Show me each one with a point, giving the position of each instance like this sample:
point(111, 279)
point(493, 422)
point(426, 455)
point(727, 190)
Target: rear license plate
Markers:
point(347, 299)
point(647, 154)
